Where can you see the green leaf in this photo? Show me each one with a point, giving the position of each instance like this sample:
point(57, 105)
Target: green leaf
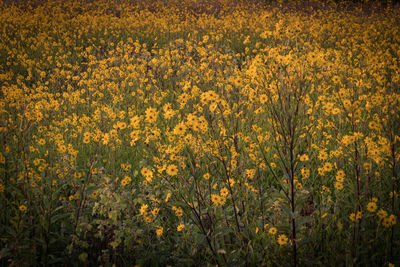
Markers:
point(46, 202)
point(5, 252)
point(286, 210)
point(303, 220)
point(59, 217)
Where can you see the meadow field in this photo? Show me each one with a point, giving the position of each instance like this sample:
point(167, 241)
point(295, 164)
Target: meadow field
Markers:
point(199, 133)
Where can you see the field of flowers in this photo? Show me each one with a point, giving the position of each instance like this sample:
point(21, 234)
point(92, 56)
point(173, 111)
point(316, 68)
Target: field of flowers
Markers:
point(199, 133)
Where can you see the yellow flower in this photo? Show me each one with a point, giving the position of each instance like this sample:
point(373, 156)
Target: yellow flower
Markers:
point(386, 222)
point(233, 164)
point(304, 157)
point(305, 173)
point(263, 98)
point(135, 122)
point(180, 129)
point(178, 211)
point(272, 230)
point(148, 174)
point(339, 186)
point(155, 211)
point(340, 173)
point(382, 214)
point(327, 167)
point(151, 115)
point(391, 219)
point(231, 182)
point(206, 176)
point(172, 170)
point(106, 138)
point(323, 155)
point(167, 197)
point(86, 137)
point(371, 206)
point(393, 194)
point(121, 125)
point(224, 192)
point(282, 240)
point(143, 209)
point(126, 181)
point(159, 231)
point(213, 106)
point(299, 186)
point(222, 200)
point(339, 179)
point(22, 208)
point(215, 199)
point(250, 173)
point(41, 142)
point(180, 227)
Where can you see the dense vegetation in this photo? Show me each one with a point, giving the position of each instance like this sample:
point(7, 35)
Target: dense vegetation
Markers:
point(199, 133)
